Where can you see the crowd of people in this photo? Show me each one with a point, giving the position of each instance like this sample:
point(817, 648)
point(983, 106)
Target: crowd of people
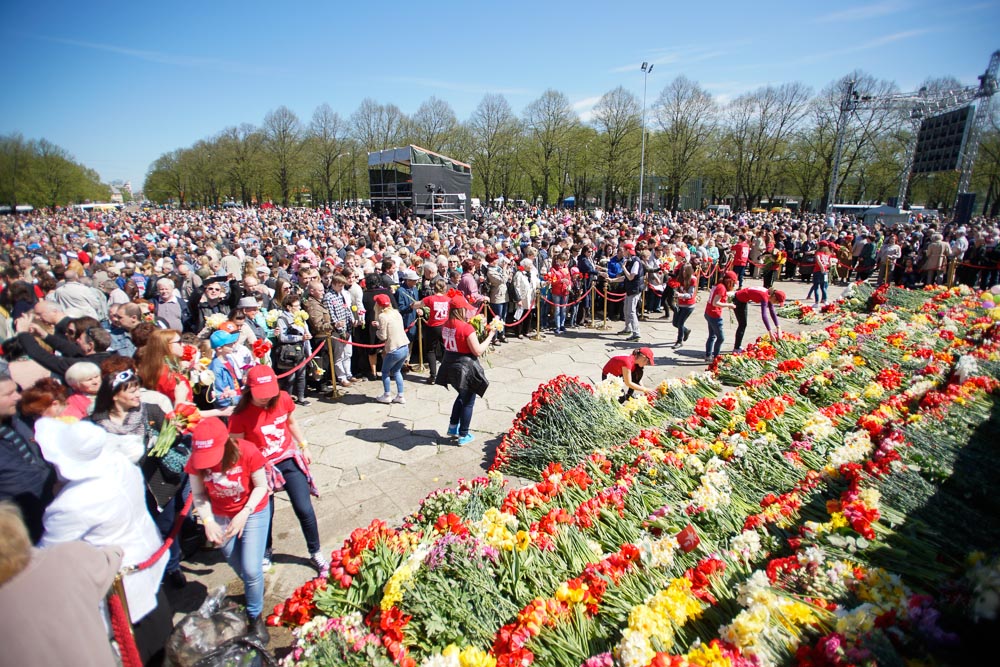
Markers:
point(157, 355)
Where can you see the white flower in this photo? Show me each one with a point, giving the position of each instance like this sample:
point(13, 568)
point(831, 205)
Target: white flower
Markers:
point(746, 544)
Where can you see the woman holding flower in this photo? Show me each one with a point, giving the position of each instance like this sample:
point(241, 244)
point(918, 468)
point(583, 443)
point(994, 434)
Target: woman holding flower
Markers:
point(560, 282)
point(159, 366)
point(713, 315)
point(265, 417)
point(290, 330)
point(461, 368)
point(686, 295)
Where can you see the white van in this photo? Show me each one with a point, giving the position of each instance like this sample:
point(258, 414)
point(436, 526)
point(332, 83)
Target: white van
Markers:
point(719, 209)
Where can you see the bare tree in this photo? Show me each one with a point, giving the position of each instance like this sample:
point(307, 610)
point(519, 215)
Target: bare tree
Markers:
point(433, 125)
point(494, 131)
point(326, 146)
point(759, 126)
point(283, 142)
point(618, 119)
point(686, 116)
point(377, 126)
point(548, 121)
point(242, 148)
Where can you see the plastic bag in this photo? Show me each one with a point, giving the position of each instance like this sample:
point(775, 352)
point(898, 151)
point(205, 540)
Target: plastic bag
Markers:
point(215, 636)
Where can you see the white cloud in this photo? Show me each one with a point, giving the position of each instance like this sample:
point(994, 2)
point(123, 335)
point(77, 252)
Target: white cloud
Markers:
point(862, 13)
point(871, 44)
point(584, 107)
point(161, 58)
point(684, 54)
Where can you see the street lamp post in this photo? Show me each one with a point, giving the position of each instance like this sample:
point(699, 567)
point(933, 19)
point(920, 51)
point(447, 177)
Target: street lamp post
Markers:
point(646, 69)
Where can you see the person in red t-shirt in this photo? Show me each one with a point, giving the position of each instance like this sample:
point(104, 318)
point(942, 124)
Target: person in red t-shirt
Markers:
point(229, 485)
point(265, 417)
point(629, 367)
point(461, 368)
point(741, 257)
point(822, 263)
point(767, 298)
point(686, 294)
point(713, 315)
point(437, 305)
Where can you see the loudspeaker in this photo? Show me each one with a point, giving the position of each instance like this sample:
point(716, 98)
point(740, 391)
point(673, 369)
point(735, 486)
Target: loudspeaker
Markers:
point(963, 207)
point(940, 141)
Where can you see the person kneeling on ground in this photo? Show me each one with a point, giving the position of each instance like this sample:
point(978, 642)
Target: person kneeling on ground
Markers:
point(629, 368)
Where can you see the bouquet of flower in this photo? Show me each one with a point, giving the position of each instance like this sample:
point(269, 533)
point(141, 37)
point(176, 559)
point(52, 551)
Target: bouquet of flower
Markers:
point(260, 349)
point(179, 422)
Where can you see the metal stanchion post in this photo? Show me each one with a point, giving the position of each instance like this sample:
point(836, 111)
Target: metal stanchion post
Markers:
point(642, 303)
point(420, 344)
point(538, 316)
point(607, 291)
point(952, 266)
point(336, 393)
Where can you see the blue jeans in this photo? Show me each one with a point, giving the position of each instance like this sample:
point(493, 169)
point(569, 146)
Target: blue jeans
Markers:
point(392, 368)
point(245, 555)
point(680, 317)
point(819, 283)
point(741, 273)
point(461, 411)
point(297, 488)
point(715, 336)
point(560, 310)
point(165, 520)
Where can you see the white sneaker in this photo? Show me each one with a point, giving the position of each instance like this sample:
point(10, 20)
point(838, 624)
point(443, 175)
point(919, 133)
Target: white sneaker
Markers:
point(384, 398)
point(265, 563)
point(399, 399)
point(320, 562)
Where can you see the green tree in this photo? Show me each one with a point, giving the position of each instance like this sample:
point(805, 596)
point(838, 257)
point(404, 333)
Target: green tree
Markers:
point(283, 144)
point(617, 117)
point(548, 122)
point(686, 117)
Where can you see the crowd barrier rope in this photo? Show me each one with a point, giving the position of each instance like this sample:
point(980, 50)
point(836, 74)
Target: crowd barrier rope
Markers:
point(304, 361)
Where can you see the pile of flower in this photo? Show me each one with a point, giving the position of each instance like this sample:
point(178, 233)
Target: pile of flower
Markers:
point(808, 517)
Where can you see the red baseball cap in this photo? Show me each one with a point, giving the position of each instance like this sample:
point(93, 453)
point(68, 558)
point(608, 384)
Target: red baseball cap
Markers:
point(648, 353)
point(459, 301)
point(208, 443)
point(629, 246)
point(731, 275)
point(263, 382)
point(382, 300)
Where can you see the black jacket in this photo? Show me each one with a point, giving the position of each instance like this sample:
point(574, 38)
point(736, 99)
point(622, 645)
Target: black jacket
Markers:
point(463, 372)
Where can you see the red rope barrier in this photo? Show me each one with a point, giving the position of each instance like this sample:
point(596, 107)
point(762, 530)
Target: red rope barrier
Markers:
point(976, 266)
point(304, 361)
point(122, 628)
point(564, 305)
point(513, 324)
point(170, 538)
point(607, 296)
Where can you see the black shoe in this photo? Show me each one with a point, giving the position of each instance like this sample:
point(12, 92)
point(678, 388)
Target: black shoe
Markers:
point(687, 334)
point(176, 579)
point(431, 380)
point(632, 338)
point(257, 629)
point(302, 401)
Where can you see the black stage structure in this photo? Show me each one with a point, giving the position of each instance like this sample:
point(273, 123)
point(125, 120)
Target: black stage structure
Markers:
point(415, 179)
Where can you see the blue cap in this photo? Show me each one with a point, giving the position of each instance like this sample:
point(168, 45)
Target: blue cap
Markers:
point(221, 339)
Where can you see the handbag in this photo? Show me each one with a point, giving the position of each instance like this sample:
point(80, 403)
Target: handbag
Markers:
point(289, 355)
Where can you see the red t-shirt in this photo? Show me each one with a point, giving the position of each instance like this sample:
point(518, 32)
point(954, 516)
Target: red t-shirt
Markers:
point(267, 429)
point(455, 336)
point(167, 384)
point(439, 305)
point(822, 263)
point(692, 285)
point(229, 491)
point(719, 291)
point(616, 365)
point(752, 295)
point(741, 254)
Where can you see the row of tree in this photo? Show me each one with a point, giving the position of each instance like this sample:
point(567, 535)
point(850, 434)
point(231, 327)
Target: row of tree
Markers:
point(42, 174)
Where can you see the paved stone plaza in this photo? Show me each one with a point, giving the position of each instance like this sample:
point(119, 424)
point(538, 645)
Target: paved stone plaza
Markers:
point(378, 461)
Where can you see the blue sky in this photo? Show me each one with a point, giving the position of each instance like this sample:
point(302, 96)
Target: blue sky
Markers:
point(117, 84)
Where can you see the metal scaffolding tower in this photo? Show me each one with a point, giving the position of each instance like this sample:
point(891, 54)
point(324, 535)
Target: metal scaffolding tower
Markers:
point(920, 105)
